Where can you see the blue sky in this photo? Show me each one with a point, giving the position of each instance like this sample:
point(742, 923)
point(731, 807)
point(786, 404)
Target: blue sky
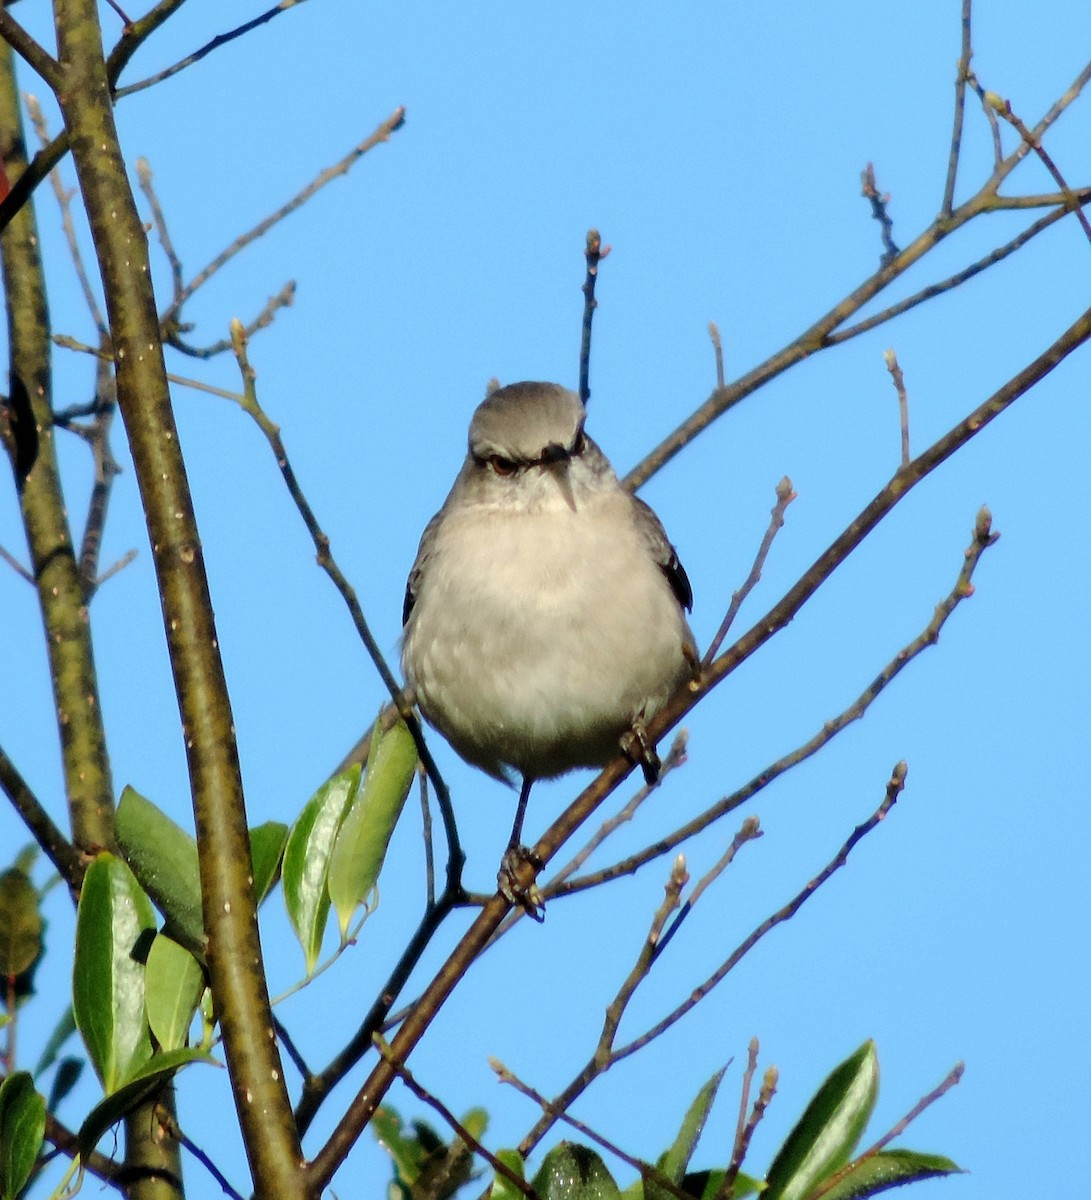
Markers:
point(718, 148)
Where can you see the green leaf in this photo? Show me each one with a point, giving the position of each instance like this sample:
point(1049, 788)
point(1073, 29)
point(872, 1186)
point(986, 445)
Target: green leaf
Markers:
point(502, 1188)
point(826, 1135)
point(888, 1169)
point(22, 1129)
point(573, 1172)
point(144, 1081)
point(68, 1074)
point(114, 927)
point(704, 1185)
point(406, 1152)
point(20, 923)
point(365, 832)
point(26, 858)
point(163, 857)
point(173, 984)
point(62, 1031)
point(674, 1162)
point(266, 847)
point(307, 859)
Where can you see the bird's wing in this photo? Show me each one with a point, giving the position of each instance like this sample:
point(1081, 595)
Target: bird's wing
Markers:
point(412, 584)
point(659, 548)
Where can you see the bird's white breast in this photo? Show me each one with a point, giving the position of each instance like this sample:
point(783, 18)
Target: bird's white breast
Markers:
point(538, 636)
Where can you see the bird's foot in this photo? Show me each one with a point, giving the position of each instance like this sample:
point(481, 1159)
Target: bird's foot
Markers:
point(638, 749)
point(514, 885)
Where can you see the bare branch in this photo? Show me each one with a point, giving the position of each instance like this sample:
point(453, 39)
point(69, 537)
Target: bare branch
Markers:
point(1003, 108)
point(718, 351)
point(746, 1130)
point(648, 1172)
point(785, 496)
point(878, 211)
point(463, 1134)
point(960, 277)
point(16, 566)
point(895, 370)
point(961, 75)
point(219, 40)
point(30, 51)
point(747, 833)
point(594, 253)
point(381, 134)
point(983, 538)
point(789, 910)
point(60, 851)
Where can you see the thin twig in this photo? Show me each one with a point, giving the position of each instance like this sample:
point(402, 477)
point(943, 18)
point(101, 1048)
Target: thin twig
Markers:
point(953, 1077)
point(742, 1141)
point(785, 495)
point(16, 566)
point(878, 211)
point(460, 1130)
point(602, 1059)
point(961, 73)
point(30, 51)
point(744, 1097)
point(594, 253)
point(983, 538)
point(220, 39)
point(749, 830)
point(648, 1172)
point(1003, 108)
point(426, 836)
point(381, 134)
point(147, 186)
point(283, 299)
point(60, 851)
point(64, 202)
point(785, 913)
point(174, 1130)
point(290, 1048)
point(960, 277)
point(891, 360)
point(128, 557)
point(328, 564)
point(718, 351)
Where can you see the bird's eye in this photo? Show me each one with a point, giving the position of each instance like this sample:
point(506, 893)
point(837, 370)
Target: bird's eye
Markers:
point(502, 466)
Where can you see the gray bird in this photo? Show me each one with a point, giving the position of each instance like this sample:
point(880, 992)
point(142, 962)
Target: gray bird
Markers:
point(544, 620)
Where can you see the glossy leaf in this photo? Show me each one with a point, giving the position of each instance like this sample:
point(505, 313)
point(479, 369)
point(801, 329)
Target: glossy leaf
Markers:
point(266, 847)
point(114, 927)
point(145, 1079)
point(825, 1136)
point(573, 1172)
point(22, 1128)
point(369, 822)
point(307, 859)
point(888, 1169)
point(163, 857)
point(674, 1162)
point(20, 923)
point(173, 984)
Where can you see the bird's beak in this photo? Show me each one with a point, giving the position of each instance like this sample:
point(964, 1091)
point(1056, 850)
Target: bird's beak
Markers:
point(555, 459)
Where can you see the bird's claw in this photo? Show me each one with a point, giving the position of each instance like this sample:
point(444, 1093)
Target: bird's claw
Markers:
point(638, 749)
point(526, 896)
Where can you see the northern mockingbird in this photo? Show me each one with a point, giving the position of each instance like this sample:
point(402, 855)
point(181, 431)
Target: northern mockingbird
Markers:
point(544, 620)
